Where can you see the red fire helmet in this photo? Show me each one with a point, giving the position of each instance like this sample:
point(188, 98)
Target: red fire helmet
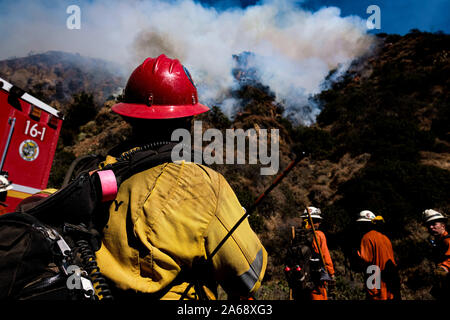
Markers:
point(160, 88)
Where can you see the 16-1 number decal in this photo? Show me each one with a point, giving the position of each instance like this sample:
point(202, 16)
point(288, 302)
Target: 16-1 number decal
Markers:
point(34, 130)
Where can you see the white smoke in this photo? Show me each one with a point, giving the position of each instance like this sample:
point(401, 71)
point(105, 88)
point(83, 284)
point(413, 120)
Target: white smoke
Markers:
point(294, 49)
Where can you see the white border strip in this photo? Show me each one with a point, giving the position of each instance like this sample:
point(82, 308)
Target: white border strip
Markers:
point(6, 85)
point(34, 101)
point(18, 187)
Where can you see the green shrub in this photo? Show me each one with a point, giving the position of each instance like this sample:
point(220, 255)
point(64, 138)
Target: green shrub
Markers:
point(80, 112)
point(61, 163)
point(314, 141)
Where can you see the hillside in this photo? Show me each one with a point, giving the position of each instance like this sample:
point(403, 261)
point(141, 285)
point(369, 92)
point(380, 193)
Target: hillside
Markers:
point(395, 107)
point(381, 142)
point(55, 76)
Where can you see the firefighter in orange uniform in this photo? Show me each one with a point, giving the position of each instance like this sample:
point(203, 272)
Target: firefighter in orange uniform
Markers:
point(436, 224)
point(320, 290)
point(376, 251)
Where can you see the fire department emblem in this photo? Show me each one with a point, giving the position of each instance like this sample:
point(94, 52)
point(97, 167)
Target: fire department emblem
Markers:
point(29, 150)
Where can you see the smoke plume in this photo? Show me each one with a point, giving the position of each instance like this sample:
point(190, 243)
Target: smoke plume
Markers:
point(293, 49)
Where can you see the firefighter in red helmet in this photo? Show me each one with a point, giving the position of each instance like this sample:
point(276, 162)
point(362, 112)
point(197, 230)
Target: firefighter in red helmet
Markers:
point(160, 88)
point(167, 219)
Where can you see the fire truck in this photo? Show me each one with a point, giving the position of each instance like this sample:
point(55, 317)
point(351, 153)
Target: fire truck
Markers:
point(29, 132)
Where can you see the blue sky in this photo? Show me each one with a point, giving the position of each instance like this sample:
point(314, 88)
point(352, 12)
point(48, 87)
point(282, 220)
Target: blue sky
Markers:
point(295, 49)
point(397, 16)
point(40, 25)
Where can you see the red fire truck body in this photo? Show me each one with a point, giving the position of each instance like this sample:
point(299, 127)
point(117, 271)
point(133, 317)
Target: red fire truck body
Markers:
point(29, 132)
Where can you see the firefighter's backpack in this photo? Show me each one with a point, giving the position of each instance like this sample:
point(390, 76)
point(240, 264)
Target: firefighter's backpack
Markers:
point(301, 262)
point(47, 250)
point(36, 262)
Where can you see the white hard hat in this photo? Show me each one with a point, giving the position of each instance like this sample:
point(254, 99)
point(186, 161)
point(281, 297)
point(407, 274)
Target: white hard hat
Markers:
point(5, 184)
point(430, 215)
point(366, 216)
point(315, 213)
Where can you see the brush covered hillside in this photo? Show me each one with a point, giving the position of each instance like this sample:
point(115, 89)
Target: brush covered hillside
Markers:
point(55, 76)
point(381, 142)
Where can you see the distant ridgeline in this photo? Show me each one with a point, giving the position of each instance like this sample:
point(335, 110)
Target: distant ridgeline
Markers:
point(56, 76)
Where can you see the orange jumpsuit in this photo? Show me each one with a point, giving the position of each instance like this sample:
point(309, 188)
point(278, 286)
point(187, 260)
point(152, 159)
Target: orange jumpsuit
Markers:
point(376, 249)
point(444, 259)
point(441, 255)
point(320, 292)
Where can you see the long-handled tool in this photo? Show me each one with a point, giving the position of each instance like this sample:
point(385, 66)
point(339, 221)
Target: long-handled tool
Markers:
point(324, 276)
point(250, 210)
point(12, 123)
point(291, 297)
point(257, 201)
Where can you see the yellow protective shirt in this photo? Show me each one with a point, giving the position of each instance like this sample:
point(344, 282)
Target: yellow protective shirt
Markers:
point(166, 217)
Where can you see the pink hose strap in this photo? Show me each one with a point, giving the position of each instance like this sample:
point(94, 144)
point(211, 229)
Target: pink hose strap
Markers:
point(108, 183)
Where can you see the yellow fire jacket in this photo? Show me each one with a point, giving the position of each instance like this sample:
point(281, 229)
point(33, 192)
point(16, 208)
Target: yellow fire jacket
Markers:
point(165, 218)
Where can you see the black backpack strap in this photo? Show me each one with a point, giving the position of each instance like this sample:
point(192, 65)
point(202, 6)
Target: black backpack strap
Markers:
point(78, 201)
point(79, 204)
point(138, 162)
point(81, 165)
point(73, 204)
